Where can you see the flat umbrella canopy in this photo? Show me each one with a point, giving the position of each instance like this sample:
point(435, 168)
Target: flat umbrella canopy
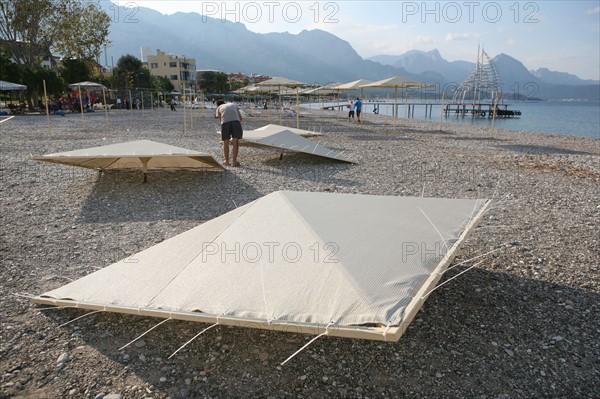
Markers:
point(142, 154)
point(396, 82)
point(9, 86)
point(87, 84)
point(285, 139)
point(355, 85)
point(280, 81)
point(272, 128)
point(348, 265)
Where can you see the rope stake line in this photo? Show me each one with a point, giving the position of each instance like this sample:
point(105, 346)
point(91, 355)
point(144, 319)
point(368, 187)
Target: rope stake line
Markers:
point(193, 338)
point(126, 345)
point(306, 345)
point(81, 317)
point(451, 278)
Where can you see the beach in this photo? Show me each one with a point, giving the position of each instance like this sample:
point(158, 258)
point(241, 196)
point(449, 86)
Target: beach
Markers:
point(524, 323)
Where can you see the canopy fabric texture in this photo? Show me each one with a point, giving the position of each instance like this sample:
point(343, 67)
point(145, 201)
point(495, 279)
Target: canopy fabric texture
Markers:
point(286, 139)
point(142, 154)
point(291, 261)
point(9, 86)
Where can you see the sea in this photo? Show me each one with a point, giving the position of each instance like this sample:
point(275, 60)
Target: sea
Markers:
point(572, 118)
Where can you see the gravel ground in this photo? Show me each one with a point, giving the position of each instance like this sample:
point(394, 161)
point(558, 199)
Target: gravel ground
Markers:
point(523, 324)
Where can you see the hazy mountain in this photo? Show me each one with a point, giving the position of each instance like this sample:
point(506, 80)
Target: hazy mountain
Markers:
point(313, 56)
point(564, 78)
point(519, 81)
point(418, 62)
point(310, 56)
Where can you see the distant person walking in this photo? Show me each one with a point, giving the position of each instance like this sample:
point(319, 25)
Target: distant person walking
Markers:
point(358, 105)
point(351, 112)
point(231, 129)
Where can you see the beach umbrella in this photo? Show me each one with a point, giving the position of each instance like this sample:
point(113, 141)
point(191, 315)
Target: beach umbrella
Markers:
point(9, 86)
point(280, 82)
point(141, 154)
point(88, 85)
point(354, 85)
point(397, 82)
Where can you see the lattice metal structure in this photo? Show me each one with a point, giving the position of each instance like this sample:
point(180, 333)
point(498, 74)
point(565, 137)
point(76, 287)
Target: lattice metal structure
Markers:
point(483, 84)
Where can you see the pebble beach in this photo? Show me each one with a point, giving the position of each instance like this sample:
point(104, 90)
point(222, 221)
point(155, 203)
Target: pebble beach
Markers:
point(525, 323)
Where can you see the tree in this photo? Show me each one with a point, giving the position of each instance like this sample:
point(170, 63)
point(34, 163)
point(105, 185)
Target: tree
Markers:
point(31, 29)
point(9, 71)
point(73, 71)
point(237, 84)
point(82, 29)
point(130, 72)
point(214, 82)
point(162, 84)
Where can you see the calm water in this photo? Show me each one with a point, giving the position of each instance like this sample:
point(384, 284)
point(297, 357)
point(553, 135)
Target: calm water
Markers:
point(568, 118)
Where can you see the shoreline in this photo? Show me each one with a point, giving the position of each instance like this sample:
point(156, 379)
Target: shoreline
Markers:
point(519, 325)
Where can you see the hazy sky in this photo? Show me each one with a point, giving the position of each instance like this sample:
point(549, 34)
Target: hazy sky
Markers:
point(560, 35)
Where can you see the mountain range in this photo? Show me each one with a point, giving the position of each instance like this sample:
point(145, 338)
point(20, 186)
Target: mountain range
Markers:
point(314, 56)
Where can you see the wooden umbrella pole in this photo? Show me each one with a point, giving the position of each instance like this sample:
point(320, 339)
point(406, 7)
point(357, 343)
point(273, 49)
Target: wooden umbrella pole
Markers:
point(105, 107)
point(47, 110)
point(280, 106)
point(130, 105)
point(386, 114)
point(442, 111)
point(494, 105)
point(338, 103)
point(184, 117)
point(395, 108)
point(81, 105)
point(297, 108)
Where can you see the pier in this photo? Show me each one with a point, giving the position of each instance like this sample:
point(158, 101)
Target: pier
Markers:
point(475, 110)
point(480, 110)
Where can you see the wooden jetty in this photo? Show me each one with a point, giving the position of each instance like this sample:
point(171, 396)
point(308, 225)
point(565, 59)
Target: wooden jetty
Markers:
point(480, 110)
point(475, 110)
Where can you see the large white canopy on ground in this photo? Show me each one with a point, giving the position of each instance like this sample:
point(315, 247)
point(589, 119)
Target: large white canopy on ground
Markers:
point(292, 261)
point(286, 139)
point(142, 154)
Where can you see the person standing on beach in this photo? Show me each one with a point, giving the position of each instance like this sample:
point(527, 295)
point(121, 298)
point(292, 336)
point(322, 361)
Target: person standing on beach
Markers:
point(358, 105)
point(351, 112)
point(231, 129)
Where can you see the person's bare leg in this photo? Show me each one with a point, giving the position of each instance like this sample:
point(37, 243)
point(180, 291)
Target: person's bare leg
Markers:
point(226, 151)
point(235, 151)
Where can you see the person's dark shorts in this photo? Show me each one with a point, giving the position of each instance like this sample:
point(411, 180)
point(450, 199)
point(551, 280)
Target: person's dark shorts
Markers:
point(231, 129)
point(358, 114)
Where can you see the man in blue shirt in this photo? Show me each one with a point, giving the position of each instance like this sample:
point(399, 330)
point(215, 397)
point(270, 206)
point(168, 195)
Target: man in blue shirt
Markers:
point(358, 106)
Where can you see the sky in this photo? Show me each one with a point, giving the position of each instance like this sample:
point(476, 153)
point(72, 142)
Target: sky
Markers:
point(562, 36)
